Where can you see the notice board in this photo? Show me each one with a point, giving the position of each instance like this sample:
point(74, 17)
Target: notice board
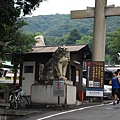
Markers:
point(95, 78)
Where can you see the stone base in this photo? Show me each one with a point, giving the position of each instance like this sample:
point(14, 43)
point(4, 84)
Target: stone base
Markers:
point(50, 82)
point(43, 94)
point(68, 82)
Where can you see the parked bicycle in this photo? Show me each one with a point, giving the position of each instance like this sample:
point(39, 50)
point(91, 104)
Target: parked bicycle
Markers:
point(18, 99)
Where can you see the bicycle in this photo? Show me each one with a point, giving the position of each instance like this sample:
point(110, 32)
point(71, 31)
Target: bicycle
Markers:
point(18, 99)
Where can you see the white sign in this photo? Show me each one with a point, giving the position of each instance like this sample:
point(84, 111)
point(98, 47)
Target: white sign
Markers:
point(90, 83)
point(94, 92)
point(58, 88)
point(96, 84)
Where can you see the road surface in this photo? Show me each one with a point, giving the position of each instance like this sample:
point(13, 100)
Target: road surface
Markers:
point(3, 80)
point(93, 112)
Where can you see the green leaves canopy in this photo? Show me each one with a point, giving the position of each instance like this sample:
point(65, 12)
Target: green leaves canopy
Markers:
point(10, 24)
point(10, 11)
point(68, 39)
point(114, 46)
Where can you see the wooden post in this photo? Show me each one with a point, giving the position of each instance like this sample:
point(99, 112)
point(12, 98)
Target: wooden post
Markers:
point(6, 94)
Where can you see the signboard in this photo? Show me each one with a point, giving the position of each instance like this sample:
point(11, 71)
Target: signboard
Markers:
point(77, 75)
point(95, 79)
point(58, 88)
point(94, 92)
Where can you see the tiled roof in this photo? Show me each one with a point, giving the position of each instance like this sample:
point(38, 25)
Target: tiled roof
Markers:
point(51, 49)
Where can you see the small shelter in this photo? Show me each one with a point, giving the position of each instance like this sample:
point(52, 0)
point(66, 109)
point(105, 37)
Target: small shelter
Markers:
point(29, 69)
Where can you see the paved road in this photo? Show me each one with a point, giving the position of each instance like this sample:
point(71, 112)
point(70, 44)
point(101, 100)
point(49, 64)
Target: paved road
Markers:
point(7, 81)
point(98, 112)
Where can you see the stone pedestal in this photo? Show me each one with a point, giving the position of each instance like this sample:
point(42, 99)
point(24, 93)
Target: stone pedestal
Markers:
point(43, 94)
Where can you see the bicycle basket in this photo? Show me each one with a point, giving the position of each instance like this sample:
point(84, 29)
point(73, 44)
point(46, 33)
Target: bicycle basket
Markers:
point(22, 93)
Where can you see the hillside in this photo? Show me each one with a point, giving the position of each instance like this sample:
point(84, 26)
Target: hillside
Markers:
point(58, 25)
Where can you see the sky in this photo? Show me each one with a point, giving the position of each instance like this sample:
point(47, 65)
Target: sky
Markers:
point(65, 6)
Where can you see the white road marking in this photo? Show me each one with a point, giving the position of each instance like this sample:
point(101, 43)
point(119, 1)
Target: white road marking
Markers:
point(80, 109)
point(109, 108)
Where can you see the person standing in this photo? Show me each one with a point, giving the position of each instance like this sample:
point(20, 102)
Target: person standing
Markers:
point(115, 87)
point(118, 71)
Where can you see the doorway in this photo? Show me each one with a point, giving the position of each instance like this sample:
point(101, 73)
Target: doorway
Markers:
point(73, 74)
point(28, 76)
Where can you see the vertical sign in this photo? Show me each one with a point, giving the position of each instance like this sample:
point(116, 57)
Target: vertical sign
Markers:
point(77, 75)
point(95, 79)
point(58, 88)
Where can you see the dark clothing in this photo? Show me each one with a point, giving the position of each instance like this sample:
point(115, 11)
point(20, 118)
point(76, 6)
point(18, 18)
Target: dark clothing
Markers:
point(115, 86)
point(115, 91)
point(115, 83)
point(119, 93)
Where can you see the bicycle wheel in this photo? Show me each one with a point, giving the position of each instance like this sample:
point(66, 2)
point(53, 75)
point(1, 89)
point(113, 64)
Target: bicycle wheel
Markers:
point(23, 101)
point(13, 102)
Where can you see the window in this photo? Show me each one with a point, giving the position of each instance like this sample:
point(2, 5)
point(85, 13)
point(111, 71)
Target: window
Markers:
point(28, 69)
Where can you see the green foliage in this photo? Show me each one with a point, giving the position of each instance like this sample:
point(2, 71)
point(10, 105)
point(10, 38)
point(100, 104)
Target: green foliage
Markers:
point(2, 86)
point(73, 36)
point(69, 38)
point(86, 39)
point(114, 46)
point(10, 11)
point(57, 30)
point(20, 44)
point(107, 58)
point(50, 40)
point(58, 25)
point(14, 51)
point(61, 40)
point(13, 40)
point(12, 7)
point(35, 34)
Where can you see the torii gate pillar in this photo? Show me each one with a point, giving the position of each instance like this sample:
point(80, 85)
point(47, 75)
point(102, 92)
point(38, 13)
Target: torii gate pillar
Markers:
point(99, 13)
point(99, 32)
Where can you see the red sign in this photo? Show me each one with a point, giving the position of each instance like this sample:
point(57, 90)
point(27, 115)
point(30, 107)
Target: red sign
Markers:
point(58, 85)
point(89, 63)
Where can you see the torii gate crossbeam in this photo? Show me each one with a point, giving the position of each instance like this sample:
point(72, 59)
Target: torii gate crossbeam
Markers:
point(99, 13)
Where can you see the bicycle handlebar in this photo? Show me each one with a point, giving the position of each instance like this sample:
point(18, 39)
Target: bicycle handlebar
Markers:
point(17, 90)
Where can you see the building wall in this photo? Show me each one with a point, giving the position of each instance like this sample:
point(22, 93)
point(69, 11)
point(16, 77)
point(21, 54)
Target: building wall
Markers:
point(77, 61)
point(44, 57)
point(44, 94)
point(38, 58)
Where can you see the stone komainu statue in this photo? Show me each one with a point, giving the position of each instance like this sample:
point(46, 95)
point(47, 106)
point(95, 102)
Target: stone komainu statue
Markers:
point(56, 67)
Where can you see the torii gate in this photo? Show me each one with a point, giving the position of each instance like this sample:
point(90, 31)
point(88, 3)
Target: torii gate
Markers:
point(99, 13)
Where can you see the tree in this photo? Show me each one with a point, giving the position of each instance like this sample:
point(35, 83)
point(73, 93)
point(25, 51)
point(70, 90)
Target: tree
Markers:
point(15, 50)
point(10, 11)
point(69, 38)
point(61, 40)
point(13, 40)
point(73, 36)
point(27, 5)
point(114, 46)
point(10, 22)
point(18, 6)
point(86, 39)
point(36, 34)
